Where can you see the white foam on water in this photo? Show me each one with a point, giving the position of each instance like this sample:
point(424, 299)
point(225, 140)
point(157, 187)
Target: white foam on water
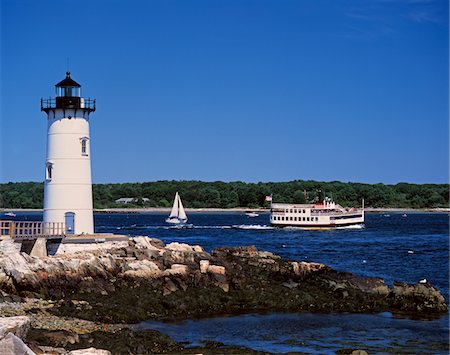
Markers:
point(356, 226)
point(252, 226)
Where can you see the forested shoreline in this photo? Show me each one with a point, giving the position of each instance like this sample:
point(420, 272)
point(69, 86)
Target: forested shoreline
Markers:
point(200, 194)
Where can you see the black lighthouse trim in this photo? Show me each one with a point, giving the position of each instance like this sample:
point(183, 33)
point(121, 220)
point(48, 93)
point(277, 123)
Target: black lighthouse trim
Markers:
point(68, 98)
point(68, 81)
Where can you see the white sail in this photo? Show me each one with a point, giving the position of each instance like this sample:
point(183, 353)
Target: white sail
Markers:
point(174, 212)
point(181, 213)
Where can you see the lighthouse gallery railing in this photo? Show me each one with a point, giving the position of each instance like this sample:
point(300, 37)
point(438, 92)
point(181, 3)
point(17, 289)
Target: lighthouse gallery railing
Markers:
point(83, 104)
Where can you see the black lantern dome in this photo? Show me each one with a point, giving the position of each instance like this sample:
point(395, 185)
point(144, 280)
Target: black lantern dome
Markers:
point(68, 96)
point(68, 87)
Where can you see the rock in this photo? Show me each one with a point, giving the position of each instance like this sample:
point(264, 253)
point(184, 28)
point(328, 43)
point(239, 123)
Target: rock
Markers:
point(89, 351)
point(13, 345)
point(198, 249)
point(371, 285)
point(180, 247)
point(351, 352)
point(169, 287)
point(290, 284)
point(72, 248)
point(216, 269)
point(145, 243)
point(58, 338)
point(18, 325)
point(303, 268)
point(8, 246)
point(141, 269)
point(204, 264)
point(178, 257)
point(50, 350)
point(177, 269)
point(145, 280)
point(421, 297)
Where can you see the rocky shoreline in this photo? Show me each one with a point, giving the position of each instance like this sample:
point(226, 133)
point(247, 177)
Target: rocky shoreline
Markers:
point(87, 294)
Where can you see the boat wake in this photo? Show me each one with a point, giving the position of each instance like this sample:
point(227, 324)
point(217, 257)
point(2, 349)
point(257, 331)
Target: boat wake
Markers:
point(191, 226)
point(252, 226)
point(356, 226)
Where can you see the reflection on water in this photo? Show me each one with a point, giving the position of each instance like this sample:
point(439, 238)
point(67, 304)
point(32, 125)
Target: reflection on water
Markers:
point(314, 333)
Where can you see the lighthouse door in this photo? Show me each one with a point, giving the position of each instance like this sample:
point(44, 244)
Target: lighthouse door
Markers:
point(70, 222)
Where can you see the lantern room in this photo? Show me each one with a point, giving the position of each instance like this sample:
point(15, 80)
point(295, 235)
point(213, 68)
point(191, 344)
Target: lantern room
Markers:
point(68, 87)
point(68, 96)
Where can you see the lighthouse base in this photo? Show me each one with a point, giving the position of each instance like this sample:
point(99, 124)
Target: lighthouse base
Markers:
point(75, 221)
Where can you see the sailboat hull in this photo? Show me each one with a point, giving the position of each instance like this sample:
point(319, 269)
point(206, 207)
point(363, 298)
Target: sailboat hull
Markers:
point(176, 221)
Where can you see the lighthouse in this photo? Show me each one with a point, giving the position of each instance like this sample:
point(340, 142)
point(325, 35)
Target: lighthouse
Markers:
point(68, 182)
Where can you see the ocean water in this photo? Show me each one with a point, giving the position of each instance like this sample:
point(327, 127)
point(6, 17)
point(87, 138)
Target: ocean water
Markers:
point(392, 246)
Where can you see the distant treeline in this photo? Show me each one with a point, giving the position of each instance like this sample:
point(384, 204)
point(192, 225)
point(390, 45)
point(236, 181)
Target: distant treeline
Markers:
point(199, 194)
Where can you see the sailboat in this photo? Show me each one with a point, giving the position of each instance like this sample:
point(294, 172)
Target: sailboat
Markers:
point(177, 215)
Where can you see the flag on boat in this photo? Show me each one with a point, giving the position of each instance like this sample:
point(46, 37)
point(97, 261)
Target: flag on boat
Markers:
point(269, 198)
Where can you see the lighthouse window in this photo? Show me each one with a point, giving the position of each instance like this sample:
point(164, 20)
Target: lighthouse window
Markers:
point(49, 171)
point(84, 143)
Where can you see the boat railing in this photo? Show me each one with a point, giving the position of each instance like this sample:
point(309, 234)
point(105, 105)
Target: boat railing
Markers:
point(336, 213)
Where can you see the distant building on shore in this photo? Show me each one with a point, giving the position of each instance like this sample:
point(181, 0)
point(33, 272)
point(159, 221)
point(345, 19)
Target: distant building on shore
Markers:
point(127, 200)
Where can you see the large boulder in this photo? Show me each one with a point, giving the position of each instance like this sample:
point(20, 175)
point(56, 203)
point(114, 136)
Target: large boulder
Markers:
point(18, 325)
point(420, 297)
point(13, 345)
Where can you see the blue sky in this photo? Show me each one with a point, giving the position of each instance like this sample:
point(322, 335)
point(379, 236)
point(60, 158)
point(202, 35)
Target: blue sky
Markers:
point(234, 90)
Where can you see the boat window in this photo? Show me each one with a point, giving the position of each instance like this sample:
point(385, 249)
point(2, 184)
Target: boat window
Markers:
point(295, 219)
point(291, 218)
point(304, 211)
point(307, 218)
point(317, 218)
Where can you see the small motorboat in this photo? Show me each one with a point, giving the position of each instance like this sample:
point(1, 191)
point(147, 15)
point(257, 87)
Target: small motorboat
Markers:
point(251, 214)
point(10, 214)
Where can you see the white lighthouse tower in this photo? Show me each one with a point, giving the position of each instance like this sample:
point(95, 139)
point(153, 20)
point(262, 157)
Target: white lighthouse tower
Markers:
point(68, 182)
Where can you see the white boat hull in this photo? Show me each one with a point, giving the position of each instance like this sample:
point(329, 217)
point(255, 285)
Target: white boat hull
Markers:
point(176, 221)
point(315, 216)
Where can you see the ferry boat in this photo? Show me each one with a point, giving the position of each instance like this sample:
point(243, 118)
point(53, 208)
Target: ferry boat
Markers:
point(327, 214)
